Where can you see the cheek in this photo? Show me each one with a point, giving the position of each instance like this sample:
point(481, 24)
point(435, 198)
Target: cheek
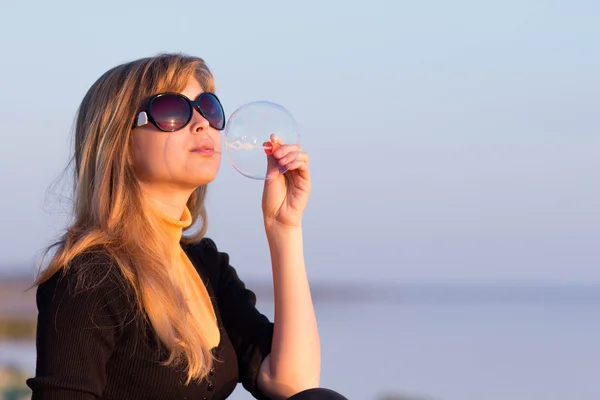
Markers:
point(139, 161)
point(147, 154)
point(216, 138)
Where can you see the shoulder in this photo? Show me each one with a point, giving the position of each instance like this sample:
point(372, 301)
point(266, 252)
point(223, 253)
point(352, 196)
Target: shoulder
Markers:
point(86, 304)
point(210, 262)
point(91, 275)
point(94, 267)
point(205, 252)
point(203, 245)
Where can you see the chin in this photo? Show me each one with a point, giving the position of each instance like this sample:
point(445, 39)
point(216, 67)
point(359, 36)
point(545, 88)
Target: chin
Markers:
point(203, 179)
point(201, 175)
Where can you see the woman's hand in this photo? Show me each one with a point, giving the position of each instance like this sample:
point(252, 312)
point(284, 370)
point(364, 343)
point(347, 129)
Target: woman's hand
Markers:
point(285, 196)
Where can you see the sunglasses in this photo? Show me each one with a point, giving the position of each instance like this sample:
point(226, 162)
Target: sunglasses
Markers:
point(170, 112)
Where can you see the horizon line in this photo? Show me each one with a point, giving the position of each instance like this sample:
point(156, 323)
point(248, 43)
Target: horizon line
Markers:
point(380, 283)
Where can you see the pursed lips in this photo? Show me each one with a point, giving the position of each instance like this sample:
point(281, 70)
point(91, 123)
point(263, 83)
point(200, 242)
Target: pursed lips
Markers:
point(204, 149)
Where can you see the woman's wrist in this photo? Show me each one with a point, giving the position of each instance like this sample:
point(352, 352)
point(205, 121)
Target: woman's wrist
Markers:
point(283, 239)
point(274, 227)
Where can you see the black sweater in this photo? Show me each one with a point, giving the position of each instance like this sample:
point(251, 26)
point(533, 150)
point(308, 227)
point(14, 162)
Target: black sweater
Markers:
point(92, 342)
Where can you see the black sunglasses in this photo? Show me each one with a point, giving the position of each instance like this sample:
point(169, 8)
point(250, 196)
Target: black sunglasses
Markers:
point(170, 112)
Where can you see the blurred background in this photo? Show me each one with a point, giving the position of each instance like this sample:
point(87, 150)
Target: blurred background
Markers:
point(453, 234)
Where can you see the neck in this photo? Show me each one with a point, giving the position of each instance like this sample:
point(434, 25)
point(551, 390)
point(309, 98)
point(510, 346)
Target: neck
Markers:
point(169, 201)
point(173, 227)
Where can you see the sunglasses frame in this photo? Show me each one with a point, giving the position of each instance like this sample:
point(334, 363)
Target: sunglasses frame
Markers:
point(146, 116)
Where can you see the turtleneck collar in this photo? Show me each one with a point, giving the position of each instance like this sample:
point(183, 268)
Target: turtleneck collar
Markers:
point(175, 227)
point(187, 277)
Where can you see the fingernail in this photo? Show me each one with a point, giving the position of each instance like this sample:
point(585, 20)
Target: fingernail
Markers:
point(268, 147)
point(282, 169)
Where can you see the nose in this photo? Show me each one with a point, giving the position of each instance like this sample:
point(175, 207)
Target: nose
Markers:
point(199, 123)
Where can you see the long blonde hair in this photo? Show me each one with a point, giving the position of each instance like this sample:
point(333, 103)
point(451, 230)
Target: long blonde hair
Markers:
point(108, 207)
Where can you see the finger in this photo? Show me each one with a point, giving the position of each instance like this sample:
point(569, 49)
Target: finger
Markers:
point(270, 148)
point(273, 144)
point(300, 169)
point(276, 139)
point(285, 149)
point(292, 156)
point(278, 150)
point(272, 165)
point(299, 166)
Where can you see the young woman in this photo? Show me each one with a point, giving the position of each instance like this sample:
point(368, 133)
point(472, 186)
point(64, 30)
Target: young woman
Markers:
point(129, 307)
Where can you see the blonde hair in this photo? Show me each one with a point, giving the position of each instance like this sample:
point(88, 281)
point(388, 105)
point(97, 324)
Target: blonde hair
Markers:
point(109, 210)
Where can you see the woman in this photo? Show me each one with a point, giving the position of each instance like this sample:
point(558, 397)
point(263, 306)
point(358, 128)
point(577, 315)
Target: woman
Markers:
point(131, 309)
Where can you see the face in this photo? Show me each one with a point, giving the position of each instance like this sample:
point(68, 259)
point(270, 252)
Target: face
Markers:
point(182, 159)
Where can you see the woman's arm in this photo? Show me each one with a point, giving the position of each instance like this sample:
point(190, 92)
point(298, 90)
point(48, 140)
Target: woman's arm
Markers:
point(294, 362)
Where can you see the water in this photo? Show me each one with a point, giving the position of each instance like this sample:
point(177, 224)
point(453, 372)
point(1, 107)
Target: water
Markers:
point(465, 352)
point(461, 351)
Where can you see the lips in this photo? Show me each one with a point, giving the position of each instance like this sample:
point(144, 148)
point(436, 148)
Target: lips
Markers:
point(205, 148)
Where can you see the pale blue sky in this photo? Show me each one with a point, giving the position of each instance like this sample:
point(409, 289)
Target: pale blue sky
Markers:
point(453, 141)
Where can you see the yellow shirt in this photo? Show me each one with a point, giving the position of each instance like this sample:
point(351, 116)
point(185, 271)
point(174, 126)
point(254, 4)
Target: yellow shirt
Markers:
point(202, 304)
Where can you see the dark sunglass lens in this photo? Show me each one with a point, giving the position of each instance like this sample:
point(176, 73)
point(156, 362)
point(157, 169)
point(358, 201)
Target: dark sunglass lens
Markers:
point(170, 112)
point(212, 110)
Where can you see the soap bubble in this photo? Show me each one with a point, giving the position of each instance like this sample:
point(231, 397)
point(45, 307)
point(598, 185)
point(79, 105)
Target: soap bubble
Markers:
point(253, 132)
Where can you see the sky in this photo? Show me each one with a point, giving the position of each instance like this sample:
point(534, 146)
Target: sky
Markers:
point(449, 141)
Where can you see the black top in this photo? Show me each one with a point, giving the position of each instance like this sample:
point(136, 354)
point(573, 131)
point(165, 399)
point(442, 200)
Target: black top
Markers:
point(92, 343)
